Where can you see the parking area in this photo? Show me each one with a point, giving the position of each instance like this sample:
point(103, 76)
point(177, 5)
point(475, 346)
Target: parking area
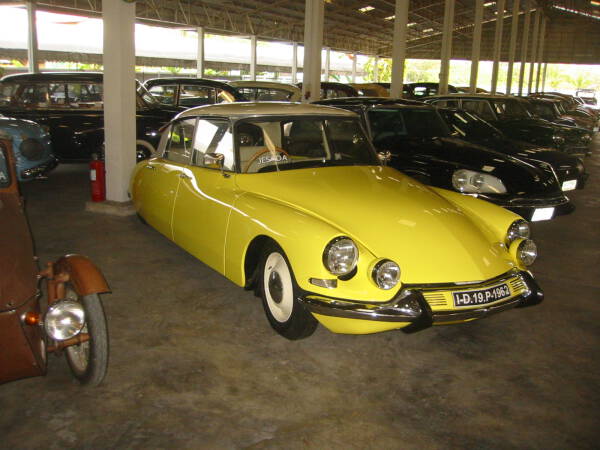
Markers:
point(195, 364)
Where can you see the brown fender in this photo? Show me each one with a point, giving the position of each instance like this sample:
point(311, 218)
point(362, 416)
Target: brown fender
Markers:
point(83, 274)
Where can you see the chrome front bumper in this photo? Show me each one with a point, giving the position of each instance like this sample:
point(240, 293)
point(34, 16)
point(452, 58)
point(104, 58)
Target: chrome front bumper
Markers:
point(411, 304)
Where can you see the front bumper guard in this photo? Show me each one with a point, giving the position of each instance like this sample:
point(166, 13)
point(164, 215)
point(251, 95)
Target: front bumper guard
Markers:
point(409, 305)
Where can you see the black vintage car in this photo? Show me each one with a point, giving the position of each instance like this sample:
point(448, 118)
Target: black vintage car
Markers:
point(569, 169)
point(421, 145)
point(189, 92)
point(70, 105)
point(510, 115)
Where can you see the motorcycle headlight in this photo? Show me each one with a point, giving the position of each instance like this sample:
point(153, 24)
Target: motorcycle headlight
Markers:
point(527, 252)
point(64, 320)
point(340, 256)
point(557, 139)
point(519, 229)
point(470, 181)
point(386, 274)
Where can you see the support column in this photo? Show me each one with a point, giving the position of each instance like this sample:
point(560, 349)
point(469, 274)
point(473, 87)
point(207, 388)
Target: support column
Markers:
point(253, 57)
point(540, 54)
point(354, 62)
point(294, 63)
point(497, 43)
point(32, 41)
point(524, 45)
point(200, 53)
point(313, 42)
point(446, 45)
point(327, 61)
point(399, 48)
point(119, 96)
point(534, 45)
point(514, 31)
point(476, 49)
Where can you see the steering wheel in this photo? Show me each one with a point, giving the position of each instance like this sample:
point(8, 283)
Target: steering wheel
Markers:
point(262, 152)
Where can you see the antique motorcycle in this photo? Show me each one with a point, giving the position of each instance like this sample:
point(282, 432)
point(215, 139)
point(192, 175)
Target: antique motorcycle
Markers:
point(56, 310)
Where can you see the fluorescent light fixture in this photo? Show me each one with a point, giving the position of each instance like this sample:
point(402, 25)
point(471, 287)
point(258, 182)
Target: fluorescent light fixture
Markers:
point(390, 17)
point(412, 24)
point(486, 4)
point(428, 30)
point(366, 9)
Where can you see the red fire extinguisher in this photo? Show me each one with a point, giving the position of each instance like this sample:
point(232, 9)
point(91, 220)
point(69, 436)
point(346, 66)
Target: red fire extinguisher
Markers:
point(97, 180)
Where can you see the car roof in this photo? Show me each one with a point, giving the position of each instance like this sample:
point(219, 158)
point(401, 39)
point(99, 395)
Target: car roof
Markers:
point(264, 84)
point(186, 80)
point(256, 109)
point(55, 76)
point(369, 101)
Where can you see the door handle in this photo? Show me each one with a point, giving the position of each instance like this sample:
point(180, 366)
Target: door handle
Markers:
point(184, 176)
point(148, 166)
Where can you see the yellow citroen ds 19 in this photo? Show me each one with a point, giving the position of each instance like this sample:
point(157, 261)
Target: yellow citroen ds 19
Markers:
point(291, 200)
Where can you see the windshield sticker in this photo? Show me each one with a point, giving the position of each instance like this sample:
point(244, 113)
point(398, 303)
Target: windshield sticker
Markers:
point(270, 158)
point(487, 168)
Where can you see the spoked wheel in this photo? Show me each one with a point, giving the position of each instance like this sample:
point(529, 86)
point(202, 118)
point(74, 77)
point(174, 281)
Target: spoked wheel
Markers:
point(88, 361)
point(279, 294)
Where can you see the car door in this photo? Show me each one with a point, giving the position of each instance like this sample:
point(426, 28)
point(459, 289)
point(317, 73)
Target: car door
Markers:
point(206, 194)
point(157, 186)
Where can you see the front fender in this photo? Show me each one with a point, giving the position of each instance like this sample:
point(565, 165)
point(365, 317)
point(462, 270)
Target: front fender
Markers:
point(83, 274)
point(303, 238)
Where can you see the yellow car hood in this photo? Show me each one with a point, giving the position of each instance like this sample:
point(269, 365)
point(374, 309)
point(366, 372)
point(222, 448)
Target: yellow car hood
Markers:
point(391, 215)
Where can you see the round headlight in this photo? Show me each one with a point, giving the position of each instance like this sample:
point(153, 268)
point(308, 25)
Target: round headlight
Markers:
point(386, 274)
point(527, 252)
point(64, 320)
point(340, 256)
point(518, 229)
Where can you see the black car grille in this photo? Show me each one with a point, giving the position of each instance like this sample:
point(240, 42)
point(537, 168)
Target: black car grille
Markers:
point(541, 201)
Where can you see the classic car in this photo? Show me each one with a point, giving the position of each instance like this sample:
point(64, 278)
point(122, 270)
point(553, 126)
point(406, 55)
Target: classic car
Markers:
point(331, 89)
point(424, 89)
point(267, 91)
point(571, 104)
point(292, 201)
point(569, 169)
point(509, 115)
point(587, 96)
point(57, 310)
point(31, 147)
point(189, 92)
point(421, 145)
point(549, 109)
point(70, 106)
point(371, 89)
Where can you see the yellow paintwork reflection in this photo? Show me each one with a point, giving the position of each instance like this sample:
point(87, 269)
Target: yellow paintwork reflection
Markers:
point(436, 236)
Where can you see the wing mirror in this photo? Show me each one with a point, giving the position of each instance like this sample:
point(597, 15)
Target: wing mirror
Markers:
point(215, 161)
point(384, 156)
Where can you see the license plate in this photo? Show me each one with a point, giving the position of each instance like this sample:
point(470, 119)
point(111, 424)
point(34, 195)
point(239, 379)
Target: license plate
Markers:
point(542, 214)
point(481, 296)
point(569, 185)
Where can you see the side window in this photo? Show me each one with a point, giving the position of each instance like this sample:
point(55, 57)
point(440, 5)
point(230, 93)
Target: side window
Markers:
point(445, 103)
point(213, 136)
point(164, 94)
point(179, 147)
point(7, 91)
point(34, 96)
point(249, 93)
point(480, 108)
point(58, 95)
point(85, 95)
point(193, 95)
point(224, 97)
point(272, 95)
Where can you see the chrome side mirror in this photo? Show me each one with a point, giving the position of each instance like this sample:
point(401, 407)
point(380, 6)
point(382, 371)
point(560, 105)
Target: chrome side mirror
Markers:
point(384, 156)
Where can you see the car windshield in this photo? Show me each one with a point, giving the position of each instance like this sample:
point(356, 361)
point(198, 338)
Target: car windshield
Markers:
point(468, 125)
point(391, 125)
point(270, 144)
point(510, 109)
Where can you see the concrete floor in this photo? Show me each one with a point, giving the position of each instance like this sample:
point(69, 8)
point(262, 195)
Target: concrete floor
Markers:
point(194, 363)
